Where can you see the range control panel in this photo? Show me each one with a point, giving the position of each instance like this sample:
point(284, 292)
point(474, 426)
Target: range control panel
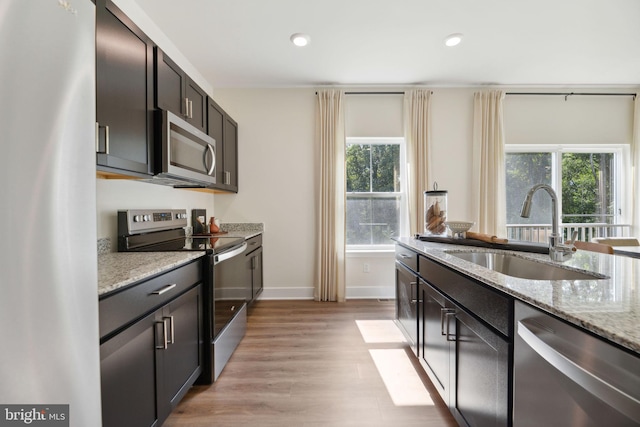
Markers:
point(137, 221)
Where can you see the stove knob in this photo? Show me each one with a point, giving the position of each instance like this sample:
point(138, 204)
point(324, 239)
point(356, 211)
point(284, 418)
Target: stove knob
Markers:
point(137, 218)
point(147, 217)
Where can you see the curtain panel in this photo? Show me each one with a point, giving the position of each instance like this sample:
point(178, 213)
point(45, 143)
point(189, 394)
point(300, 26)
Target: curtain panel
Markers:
point(331, 191)
point(635, 169)
point(417, 118)
point(489, 162)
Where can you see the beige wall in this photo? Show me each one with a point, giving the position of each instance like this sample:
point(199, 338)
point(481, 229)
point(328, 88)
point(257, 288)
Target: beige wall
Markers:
point(276, 180)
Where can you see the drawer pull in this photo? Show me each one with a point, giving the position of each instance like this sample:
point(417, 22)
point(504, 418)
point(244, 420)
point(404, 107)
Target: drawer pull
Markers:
point(405, 256)
point(165, 289)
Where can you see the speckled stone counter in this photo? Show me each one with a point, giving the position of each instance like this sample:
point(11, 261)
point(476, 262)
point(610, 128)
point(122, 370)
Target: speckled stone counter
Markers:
point(607, 307)
point(246, 230)
point(120, 269)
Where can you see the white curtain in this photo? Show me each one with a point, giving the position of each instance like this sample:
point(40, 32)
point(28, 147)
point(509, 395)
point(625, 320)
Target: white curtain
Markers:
point(417, 119)
point(488, 162)
point(635, 169)
point(330, 229)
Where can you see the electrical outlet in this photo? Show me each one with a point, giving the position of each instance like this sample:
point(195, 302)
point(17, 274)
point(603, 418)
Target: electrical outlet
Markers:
point(365, 267)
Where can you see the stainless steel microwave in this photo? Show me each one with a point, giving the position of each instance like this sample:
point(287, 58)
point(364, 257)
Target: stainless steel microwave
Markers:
point(187, 155)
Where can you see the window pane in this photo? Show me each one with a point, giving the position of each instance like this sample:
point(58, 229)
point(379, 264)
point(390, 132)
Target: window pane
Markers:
point(587, 187)
point(372, 219)
point(358, 159)
point(385, 168)
point(524, 170)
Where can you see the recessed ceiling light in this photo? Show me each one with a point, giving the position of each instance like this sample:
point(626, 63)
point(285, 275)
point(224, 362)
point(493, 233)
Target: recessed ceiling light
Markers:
point(300, 39)
point(453, 39)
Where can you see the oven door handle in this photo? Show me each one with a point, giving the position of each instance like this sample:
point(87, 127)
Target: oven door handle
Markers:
point(230, 254)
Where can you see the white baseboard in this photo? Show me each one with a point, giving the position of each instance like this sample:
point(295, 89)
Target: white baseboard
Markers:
point(359, 292)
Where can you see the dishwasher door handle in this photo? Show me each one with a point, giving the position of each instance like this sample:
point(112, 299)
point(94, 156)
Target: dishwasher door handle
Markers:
point(230, 254)
point(598, 387)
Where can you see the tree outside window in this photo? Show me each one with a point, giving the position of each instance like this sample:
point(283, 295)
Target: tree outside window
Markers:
point(374, 190)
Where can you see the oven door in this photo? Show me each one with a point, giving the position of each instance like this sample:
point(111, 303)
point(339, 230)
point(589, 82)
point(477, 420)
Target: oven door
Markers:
point(230, 282)
point(187, 153)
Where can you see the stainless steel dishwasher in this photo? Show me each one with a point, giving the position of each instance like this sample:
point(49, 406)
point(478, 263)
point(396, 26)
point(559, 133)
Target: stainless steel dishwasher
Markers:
point(564, 376)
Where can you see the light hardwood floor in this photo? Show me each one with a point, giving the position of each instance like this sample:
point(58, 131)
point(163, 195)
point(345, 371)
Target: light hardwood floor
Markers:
point(306, 364)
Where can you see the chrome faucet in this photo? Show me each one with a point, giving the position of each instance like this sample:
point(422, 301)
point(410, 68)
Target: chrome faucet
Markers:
point(557, 250)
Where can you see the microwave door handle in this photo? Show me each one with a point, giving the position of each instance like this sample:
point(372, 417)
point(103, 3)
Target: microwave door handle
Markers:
point(212, 168)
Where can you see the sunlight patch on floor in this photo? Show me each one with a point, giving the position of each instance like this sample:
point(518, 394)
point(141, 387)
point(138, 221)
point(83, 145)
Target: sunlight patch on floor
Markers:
point(379, 331)
point(400, 377)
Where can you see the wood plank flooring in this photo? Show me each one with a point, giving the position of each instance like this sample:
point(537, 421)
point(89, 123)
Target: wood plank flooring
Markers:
point(306, 364)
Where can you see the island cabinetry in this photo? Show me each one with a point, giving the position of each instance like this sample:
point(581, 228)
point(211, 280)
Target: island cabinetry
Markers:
point(224, 130)
point(407, 295)
point(466, 345)
point(176, 92)
point(124, 94)
point(151, 347)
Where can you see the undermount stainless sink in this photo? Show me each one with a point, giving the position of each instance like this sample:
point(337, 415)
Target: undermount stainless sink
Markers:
point(511, 265)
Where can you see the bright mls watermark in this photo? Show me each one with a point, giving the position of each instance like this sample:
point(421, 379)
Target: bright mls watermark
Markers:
point(34, 415)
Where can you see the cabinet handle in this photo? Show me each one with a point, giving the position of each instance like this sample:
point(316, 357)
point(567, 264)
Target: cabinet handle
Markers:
point(186, 107)
point(106, 139)
point(172, 331)
point(414, 299)
point(164, 336)
point(447, 315)
point(443, 313)
point(190, 109)
point(227, 177)
point(165, 289)
point(405, 256)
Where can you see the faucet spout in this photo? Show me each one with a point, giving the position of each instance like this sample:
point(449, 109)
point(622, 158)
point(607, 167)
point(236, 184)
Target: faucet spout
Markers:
point(557, 251)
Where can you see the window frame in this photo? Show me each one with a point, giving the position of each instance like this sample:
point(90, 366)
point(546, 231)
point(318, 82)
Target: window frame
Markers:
point(621, 154)
point(350, 248)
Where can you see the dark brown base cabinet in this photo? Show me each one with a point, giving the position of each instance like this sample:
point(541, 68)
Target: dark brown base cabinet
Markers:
point(464, 342)
point(254, 255)
point(149, 364)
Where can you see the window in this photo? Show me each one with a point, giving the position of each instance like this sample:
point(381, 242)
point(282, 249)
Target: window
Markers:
point(375, 191)
point(587, 180)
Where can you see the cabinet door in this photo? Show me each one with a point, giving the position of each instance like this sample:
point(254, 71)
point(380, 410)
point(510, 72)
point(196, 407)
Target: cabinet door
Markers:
point(215, 129)
point(128, 376)
point(436, 336)
point(406, 303)
point(170, 84)
point(256, 272)
point(181, 361)
point(124, 98)
point(482, 374)
point(230, 154)
point(197, 100)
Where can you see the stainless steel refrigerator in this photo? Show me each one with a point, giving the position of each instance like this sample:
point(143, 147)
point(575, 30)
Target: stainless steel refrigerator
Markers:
point(48, 263)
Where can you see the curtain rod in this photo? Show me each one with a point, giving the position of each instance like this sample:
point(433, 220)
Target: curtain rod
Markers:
point(373, 93)
point(568, 94)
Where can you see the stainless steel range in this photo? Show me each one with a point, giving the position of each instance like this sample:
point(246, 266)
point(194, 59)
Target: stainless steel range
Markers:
point(225, 306)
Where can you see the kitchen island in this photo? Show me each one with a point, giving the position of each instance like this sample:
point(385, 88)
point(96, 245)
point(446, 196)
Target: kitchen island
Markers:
point(503, 347)
point(609, 308)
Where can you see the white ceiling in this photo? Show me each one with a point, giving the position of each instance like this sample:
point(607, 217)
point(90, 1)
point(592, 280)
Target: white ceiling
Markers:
point(245, 43)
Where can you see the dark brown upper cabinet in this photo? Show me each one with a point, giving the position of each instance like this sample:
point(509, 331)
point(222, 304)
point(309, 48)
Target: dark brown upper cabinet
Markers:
point(224, 130)
point(124, 94)
point(176, 92)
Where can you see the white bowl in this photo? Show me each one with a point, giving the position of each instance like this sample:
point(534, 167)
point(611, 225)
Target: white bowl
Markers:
point(458, 227)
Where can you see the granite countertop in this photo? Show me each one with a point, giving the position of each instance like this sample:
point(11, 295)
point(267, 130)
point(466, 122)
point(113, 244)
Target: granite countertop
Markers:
point(119, 269)
point(607, 307)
